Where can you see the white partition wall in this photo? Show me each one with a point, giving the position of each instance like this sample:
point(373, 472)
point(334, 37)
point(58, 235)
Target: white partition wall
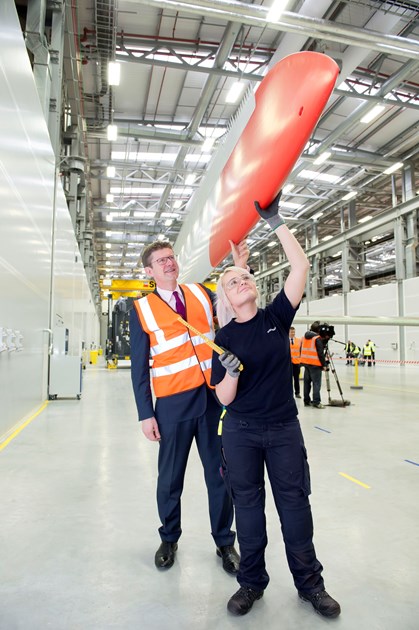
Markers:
point(393, 342)
point(379, 301)
point(411, 308)
point(27, 258)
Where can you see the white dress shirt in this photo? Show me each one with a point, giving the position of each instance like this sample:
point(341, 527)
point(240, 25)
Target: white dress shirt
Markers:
point(168, 296)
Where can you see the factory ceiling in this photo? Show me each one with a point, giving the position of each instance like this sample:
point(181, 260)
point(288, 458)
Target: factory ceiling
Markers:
point(178, 63)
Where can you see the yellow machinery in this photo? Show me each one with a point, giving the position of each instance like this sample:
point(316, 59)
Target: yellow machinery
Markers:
point(123, 293)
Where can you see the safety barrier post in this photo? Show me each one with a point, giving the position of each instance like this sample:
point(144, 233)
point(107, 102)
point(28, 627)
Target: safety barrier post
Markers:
point(356, 386)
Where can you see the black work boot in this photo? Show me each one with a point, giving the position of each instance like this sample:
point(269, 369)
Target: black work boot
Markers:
point(322, 603)
point(230, 558)
point(242, 601)
point(165, 555)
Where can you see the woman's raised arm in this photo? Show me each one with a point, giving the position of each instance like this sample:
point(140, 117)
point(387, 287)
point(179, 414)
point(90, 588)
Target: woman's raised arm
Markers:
point(296, 280)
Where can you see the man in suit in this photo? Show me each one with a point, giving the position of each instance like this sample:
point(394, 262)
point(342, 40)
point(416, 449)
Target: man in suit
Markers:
point(295, 349)
point(185, 408)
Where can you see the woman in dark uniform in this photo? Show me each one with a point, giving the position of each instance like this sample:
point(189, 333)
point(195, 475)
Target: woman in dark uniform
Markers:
point(261, 427)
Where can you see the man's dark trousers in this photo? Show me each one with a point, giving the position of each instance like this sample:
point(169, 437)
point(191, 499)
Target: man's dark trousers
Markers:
point(312, 374)
point(296, 377)
point(175, 444)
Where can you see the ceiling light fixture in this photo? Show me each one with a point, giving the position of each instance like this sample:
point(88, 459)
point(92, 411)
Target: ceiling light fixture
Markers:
point(372, 114)
point(110, 171)
point(234, 92)
point(291, 205)
point(144, 214)
point(287, 189)
point(171, 215)
point(141, 156)
point(393, 168)
point(114, 73)
point(322, 158)
point(350, 195)
point(112, 133)
point(276, 10)
point(189, 180)
point(143, 190)
point(208, 144)
point(364, 220)
point(109, 198)
point(321, 177)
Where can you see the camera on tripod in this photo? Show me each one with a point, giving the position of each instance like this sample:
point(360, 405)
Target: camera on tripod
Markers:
point(326, 331)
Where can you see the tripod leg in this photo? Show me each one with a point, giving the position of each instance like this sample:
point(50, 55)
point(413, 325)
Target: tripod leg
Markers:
point(328, 386)
point(332, 367)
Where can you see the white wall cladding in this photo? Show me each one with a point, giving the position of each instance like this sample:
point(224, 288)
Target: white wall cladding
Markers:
point(382, 301)
point(26, 222)
point(411, 308)
point(72, 299)
point(379, 301)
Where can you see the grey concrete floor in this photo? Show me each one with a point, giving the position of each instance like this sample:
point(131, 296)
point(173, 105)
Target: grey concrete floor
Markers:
point(79, 520)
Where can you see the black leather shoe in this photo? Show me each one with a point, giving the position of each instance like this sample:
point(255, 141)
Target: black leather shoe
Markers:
point(242, 601)
point(230, 558)
point(165, 555)
point(322, 603)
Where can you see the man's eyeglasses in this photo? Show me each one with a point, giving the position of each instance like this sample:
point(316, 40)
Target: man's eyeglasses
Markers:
point(235, 282)
point(162, 261)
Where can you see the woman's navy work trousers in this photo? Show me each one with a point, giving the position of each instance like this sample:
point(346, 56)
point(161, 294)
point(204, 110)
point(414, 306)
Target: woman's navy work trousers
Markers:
point(248, 447)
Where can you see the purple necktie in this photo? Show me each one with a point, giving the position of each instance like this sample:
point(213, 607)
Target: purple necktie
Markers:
point(180, 307)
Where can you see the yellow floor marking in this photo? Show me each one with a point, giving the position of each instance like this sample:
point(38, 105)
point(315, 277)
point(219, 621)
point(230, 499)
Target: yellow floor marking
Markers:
point(364, 485)
point(21, 427)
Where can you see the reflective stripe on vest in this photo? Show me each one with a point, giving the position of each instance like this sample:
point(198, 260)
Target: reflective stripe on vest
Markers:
point(180, 359)
point(295, 350)
point(308, 351)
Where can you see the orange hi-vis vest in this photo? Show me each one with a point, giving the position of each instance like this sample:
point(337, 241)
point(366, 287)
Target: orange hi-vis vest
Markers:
point(180, 360)
point(295, 350)
point(309, 354)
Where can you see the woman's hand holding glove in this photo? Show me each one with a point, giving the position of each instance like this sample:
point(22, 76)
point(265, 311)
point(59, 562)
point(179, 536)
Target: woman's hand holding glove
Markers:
point(271, 214)
point(231, 363)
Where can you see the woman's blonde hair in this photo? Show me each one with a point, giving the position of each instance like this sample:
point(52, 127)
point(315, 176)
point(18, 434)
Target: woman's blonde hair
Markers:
point(225, 312)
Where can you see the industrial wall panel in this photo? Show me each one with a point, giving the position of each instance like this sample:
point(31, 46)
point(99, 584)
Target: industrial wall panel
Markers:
point(411, 308)
point(381, 301)
point(27, 166)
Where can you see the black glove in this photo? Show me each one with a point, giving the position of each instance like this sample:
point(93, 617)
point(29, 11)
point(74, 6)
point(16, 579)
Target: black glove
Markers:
point(230, 362)
point(271, 214)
